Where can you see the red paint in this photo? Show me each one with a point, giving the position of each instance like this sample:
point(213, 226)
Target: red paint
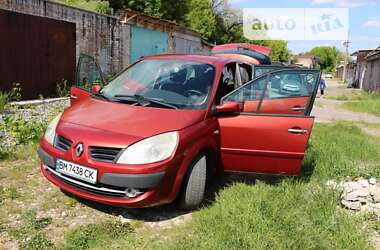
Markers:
point(278, 106)
point(254, 47)
point(263, 144)
point(243, 142)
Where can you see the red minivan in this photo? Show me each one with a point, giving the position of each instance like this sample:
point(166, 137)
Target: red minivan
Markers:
point(156, 130)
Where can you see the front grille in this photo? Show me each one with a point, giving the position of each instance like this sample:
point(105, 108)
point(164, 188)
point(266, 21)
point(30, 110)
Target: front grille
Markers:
point(62, 143)
point(104, 154)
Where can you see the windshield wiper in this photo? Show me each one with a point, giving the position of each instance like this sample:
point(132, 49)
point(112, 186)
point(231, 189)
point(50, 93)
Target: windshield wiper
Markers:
point(139, 99)
point(100, 96)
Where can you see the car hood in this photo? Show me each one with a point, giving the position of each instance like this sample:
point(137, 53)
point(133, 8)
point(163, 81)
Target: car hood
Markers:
point(127, 120)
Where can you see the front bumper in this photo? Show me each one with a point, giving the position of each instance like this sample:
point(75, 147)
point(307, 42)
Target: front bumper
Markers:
point(110, 188)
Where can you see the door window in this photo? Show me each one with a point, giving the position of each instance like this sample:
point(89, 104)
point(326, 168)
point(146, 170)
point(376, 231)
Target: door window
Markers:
point(88, 73)
point(278, 92)
point(245, 73)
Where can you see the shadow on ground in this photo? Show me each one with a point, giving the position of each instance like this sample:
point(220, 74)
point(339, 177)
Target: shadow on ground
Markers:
point(216, 184)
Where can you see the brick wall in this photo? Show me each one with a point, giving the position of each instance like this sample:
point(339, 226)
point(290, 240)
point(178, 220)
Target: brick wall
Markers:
point(101, 36)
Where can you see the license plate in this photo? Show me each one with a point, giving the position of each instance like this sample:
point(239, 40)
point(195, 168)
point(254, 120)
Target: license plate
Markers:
point(77, 171)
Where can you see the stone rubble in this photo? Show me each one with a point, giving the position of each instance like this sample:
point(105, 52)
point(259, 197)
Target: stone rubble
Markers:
point(359, 195)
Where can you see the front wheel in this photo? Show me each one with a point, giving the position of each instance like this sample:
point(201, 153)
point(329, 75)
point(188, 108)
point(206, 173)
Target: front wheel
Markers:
point(194, 184)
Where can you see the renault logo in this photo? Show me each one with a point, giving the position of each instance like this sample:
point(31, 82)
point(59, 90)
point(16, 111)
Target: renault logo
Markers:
point(79, 149)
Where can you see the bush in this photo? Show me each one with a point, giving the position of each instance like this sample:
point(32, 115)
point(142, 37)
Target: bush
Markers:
point(24, 131)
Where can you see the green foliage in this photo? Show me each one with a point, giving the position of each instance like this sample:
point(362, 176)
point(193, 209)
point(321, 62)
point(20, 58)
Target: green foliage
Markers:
point(328, 56)
point(88, 236)
point(99, 6)
point(15, 94)
point(174, 10)
point(280, 51)
point(63, 88)
point(368, 102)
point(201, 18)
point(3, 101)
point(24, 131)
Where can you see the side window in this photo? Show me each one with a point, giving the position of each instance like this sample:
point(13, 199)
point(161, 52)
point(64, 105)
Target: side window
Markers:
point(227, 83)
point(245, 73)
point(279, 92)
point(289, 84)
point(88, 73)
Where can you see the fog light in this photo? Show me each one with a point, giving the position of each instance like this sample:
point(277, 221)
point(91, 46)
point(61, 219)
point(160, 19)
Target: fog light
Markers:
point(132, 192)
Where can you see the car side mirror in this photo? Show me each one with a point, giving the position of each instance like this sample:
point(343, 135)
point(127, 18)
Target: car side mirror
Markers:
point(95, 88)
point(228, 107)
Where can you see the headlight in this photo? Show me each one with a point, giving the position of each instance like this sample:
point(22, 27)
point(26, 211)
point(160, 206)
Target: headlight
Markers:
point(153, 149)
point(50, 130)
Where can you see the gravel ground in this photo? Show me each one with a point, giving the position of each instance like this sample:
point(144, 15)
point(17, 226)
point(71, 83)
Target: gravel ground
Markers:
point(30, 112)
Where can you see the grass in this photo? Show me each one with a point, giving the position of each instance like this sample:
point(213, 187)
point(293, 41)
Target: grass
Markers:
point(367, 102)
point(89, 236)
point(290, 215)
point(339, 98)
point(30, 234)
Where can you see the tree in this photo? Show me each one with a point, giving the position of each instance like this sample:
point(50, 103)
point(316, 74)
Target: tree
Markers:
point(174, 10)
point(201, 18)
point(328, 57)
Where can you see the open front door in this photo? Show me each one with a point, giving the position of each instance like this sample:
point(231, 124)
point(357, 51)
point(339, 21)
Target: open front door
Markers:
point(269, 140)
point(88, 74)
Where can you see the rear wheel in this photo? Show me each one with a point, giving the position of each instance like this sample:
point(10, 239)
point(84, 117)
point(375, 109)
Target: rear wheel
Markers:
point(194, 184)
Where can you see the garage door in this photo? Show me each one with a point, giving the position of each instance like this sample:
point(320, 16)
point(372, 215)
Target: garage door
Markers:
point(147, 42)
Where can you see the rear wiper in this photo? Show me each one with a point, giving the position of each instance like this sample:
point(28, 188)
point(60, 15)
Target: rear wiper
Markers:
point(140, 98)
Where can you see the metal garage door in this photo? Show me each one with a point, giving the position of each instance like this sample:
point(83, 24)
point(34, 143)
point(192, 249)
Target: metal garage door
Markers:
point(36, 52)
point(186, 46)
point(147, 42)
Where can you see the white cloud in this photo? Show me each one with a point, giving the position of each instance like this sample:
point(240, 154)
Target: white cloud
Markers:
point(345, 3)
point(373, 22)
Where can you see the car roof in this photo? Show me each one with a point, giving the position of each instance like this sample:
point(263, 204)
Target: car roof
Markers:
point(194, 57)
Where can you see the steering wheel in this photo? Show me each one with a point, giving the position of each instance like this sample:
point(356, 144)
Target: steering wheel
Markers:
point(192, 92)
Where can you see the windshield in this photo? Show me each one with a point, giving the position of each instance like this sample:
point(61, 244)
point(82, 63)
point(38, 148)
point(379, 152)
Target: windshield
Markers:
point(175, 83)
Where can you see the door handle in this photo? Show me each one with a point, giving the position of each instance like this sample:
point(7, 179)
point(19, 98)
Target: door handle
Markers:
point(73, 97)
point(298, 108)
point(297, 131)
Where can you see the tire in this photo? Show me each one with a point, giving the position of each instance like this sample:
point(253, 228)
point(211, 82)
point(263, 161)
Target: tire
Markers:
point(194, 185)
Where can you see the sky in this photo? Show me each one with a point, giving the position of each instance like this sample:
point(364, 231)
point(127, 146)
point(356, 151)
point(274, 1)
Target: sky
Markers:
point(364, 25)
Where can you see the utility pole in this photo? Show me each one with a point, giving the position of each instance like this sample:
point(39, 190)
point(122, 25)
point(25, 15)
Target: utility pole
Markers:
point(346, 44)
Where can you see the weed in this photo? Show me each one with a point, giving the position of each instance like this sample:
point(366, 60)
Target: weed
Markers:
point(24, 131)
point(89, 235)
point(3, 101)
point(62, 88)
point(15, 94)
point(38, 241)
point(31, 221)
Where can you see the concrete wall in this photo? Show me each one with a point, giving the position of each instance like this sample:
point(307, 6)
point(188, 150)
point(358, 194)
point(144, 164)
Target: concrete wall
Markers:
point(97, 35)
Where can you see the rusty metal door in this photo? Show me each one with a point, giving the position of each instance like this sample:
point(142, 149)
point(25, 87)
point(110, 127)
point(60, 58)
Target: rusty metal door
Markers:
point(36, 52)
